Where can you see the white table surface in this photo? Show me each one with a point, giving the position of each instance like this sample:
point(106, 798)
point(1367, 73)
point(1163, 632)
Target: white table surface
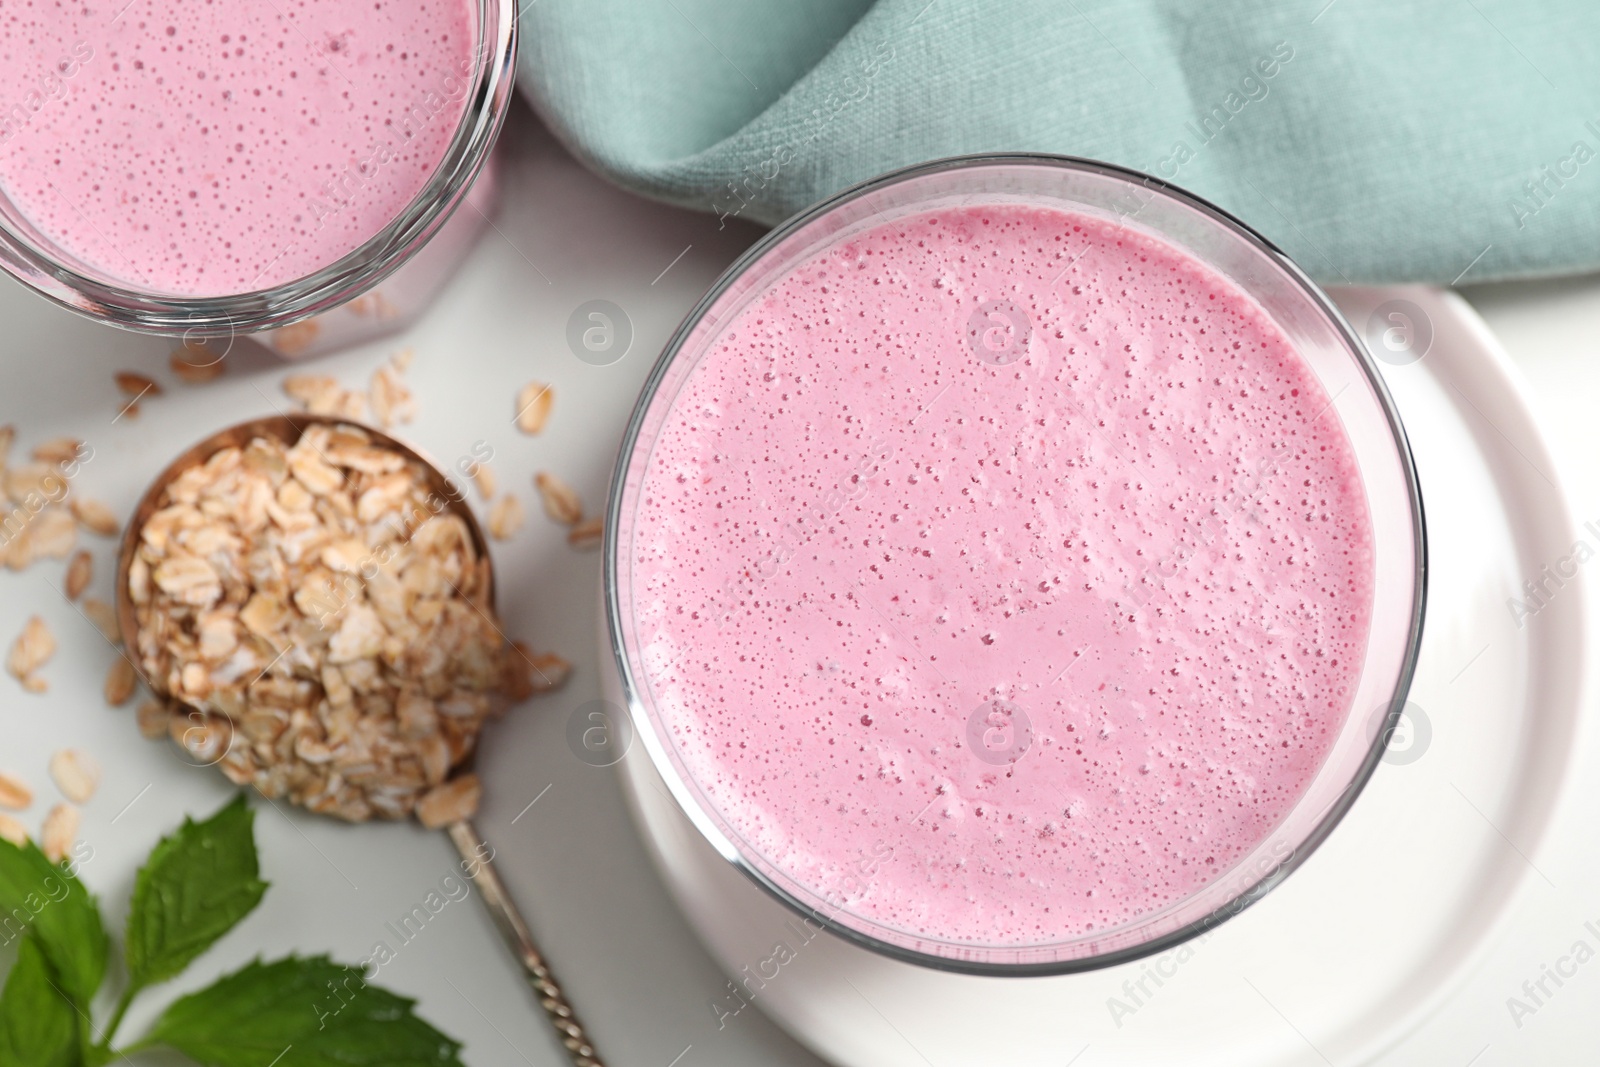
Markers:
point(631, 965)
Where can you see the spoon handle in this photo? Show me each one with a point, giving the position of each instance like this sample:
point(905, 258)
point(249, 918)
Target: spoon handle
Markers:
point(477, 860)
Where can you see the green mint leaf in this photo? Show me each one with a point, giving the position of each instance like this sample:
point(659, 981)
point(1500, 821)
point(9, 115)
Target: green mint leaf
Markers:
point(49, 901)
point(300, 1012)
point(197, 884)
point(38, 1025)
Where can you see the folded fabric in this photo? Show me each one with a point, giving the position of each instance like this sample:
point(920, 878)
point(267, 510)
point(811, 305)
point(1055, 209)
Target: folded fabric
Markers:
point(1373, 140)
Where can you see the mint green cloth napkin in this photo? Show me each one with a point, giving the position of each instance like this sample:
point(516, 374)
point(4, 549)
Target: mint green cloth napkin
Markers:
point(1374, 140)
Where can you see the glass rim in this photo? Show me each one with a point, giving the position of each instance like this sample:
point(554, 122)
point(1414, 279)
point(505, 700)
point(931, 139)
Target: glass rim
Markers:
point(705, 823)
point(198, 318)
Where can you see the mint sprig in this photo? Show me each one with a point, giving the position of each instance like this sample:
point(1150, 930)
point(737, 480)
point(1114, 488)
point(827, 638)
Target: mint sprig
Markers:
point(197, 884)
point(49, 901)
point(38, 1024)
point(301, 1012)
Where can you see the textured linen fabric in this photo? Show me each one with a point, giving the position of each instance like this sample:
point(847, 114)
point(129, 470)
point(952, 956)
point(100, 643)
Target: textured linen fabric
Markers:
point(1373, 140)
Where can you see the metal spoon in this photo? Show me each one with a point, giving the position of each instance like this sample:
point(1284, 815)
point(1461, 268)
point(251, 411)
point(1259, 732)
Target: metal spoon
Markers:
point(477, 860)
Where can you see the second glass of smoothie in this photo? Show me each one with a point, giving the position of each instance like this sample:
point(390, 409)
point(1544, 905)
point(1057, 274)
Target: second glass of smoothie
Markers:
point(1014, 564)
point(212, 169)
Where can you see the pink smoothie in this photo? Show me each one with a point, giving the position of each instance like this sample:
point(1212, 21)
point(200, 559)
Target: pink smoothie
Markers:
point(217, 146)
point(1002, 630)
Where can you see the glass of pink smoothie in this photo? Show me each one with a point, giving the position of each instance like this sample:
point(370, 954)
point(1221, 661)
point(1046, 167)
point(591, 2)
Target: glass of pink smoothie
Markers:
point(209, 169)
point(1015, 565)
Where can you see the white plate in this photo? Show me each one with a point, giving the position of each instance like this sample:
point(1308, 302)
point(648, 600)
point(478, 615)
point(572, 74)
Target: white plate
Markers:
point(1387, 917)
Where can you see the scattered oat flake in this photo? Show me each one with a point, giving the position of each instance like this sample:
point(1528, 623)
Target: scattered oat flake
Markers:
point(17, 554)
point(295, 338)
point(152, 718)
point(135, 385)
point(392, 402)
point(307, 387)
point(38, 478)
point(587, 535)
point(506, 518)
point(60, 830)
point(533, 406)
point(524, 672)
point(52, 534)
point(76, 774)
point(14, 792)
point(58, 450)
point(351, 405)
point(196, 362)
point(451, 802)
point(550, 672)
point(403, 359)
point(13, 831)
point(321, 395)
point(104, 616)
point(8, 436)
point(80, 572)
point(121, 680)
point(516, 672)
point(561, 501)
point(31, 650)
point(95, 516)
point(483, 478)
point(373, 305)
